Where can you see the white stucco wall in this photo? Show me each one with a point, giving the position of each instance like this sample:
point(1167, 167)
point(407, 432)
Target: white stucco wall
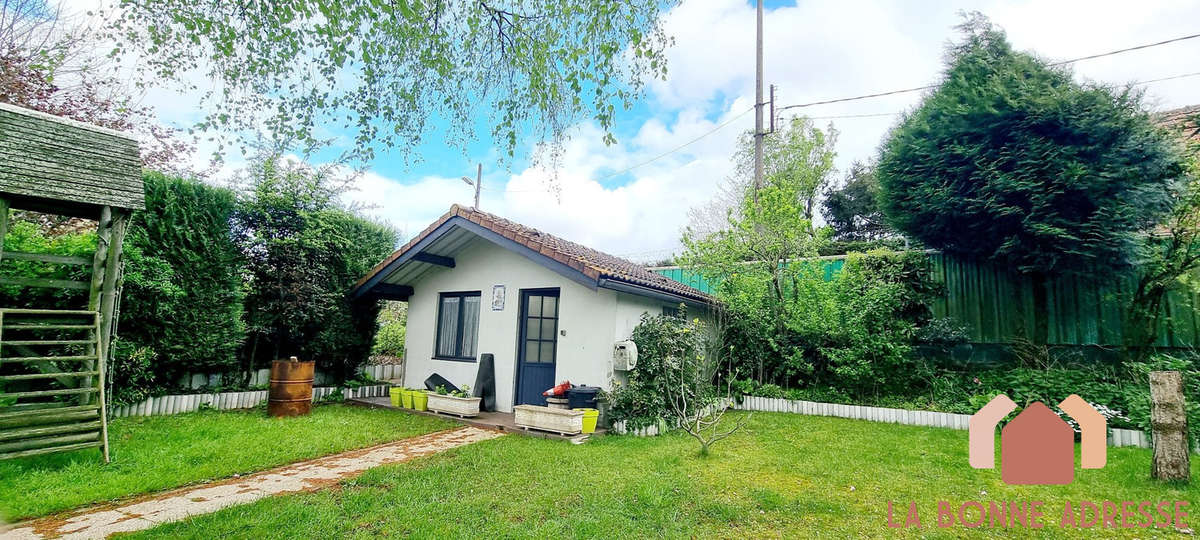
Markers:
point(591, 319)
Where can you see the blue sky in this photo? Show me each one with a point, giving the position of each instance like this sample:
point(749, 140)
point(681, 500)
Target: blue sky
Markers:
point(814, 50)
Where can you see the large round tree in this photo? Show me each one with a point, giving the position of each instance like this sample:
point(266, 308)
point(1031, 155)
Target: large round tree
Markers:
point(1012, 160)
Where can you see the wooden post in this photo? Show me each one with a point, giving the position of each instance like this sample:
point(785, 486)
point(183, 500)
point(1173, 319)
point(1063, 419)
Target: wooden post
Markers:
point(3, 224)
point(99, 259)
point(99, 263)
point(1168, 420)
point(108, 302)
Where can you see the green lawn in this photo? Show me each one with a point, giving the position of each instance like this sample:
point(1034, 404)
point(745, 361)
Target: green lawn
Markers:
point(785, 475)
point(161, 452)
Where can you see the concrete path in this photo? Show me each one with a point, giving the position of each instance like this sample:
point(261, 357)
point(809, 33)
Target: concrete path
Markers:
point(146, 512)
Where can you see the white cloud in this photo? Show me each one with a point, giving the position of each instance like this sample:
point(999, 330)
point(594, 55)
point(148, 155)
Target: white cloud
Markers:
point(638, 218)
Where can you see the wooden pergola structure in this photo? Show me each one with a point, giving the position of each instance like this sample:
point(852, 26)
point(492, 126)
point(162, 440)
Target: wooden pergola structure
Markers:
point(52, 360)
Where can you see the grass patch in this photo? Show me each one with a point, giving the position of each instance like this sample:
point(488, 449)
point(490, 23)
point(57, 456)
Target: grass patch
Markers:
point(162, 452)
point(783, 476)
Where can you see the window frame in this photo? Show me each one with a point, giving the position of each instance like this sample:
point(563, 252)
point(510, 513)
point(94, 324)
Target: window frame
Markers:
point(458, 324)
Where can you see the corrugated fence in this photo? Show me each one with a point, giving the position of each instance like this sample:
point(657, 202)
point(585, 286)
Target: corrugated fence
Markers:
point(996, 305)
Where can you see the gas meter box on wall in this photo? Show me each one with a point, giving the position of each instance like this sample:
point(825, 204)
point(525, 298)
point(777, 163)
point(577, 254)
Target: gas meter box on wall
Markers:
point(625, 355)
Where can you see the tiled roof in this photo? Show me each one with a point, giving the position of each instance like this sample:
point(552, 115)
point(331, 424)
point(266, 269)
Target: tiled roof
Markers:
point(594, 264)
point(1183, 119)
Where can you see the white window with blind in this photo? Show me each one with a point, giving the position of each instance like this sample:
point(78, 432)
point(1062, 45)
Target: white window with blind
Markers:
point(457, 326)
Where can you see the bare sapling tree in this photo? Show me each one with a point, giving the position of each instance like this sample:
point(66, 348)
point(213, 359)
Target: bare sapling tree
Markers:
point(696, 400)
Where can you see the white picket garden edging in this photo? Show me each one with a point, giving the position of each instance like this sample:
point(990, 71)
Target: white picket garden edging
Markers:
point(260, 377)
point(176, 404)
point(1117, 436)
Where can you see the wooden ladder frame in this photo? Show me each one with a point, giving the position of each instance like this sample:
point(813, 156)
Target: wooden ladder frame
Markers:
point(45, 427)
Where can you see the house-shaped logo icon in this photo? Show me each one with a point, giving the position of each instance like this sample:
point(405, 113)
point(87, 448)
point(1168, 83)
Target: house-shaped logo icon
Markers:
point(1038, 447)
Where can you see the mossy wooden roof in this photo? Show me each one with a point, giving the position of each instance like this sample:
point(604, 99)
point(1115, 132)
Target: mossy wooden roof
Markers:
point(45, 159)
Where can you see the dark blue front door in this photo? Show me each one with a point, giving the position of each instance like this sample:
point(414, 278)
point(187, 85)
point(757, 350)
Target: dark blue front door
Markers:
point(538, 346)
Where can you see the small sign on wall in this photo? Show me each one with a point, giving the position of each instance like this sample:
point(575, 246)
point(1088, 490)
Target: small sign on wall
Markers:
point(497, 297)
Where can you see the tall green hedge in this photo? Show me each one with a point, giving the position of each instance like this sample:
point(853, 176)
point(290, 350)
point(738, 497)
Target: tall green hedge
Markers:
point(183, 290)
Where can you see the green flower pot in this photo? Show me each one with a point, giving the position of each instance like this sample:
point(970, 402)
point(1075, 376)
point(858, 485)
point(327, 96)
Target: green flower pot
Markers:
point(407, 397)
point(420, 400)
point(394, 393)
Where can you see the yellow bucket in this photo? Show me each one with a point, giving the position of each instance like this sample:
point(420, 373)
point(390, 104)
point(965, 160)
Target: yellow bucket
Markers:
point(420, 400)
point(406, 398)
point(589, 419)
point(394, 393)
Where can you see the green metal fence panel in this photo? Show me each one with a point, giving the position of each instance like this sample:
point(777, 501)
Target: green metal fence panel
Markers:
point(996, 305)
point(686, 277)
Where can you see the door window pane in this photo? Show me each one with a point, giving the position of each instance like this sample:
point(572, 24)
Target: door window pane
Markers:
point(532, 330)
point(548, 329)
point(535, 306)
point(550, 306)
point(531, 352)
point(547, 355)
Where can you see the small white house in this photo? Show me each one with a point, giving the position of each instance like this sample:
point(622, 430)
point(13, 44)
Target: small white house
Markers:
point(549, 310)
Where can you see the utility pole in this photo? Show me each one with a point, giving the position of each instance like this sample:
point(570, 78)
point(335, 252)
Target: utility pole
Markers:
point(478, 183)
point(758, 106)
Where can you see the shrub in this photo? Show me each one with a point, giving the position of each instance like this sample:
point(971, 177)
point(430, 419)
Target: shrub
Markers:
point(393, 321)
point(661, 340)
point(133, 373)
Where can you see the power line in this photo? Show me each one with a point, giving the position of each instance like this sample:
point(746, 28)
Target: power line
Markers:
point(841, 116)
point(876, 115)
point(1119, 51)
point(929, 87)
point(1184, 76)
point(680, 147)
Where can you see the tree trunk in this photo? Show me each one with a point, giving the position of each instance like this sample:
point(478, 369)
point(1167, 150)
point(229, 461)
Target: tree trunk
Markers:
point(1168, 420)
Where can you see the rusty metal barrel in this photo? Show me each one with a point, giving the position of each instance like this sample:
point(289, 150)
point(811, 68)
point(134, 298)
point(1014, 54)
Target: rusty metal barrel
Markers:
point(291, 388)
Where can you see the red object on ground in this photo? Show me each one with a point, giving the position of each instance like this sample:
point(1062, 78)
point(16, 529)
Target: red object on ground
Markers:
point(559, 390)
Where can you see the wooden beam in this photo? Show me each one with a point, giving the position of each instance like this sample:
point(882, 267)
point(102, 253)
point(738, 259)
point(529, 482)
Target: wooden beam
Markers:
point(49, 326)
point(23, 311)
point(52, 375)
point(42, 431)
point(45, 257)
point(387, 291)
point(48, 393)
point(48, 450)
point(44, 411)
point(43, 442)
point(16, 359)
point(43, 282)
point(433, 259)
